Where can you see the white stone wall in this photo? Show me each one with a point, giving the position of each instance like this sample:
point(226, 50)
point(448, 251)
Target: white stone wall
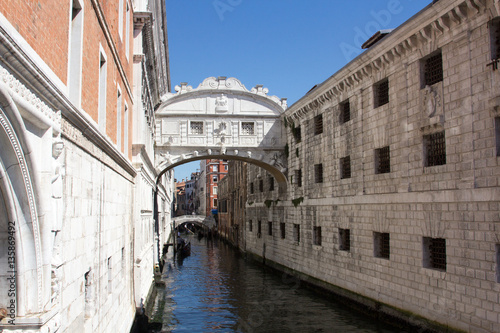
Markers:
point(96, 237)
point(457, 201)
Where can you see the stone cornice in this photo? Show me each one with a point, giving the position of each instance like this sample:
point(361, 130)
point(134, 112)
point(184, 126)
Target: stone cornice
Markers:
point(112, 46)
point(398, 44)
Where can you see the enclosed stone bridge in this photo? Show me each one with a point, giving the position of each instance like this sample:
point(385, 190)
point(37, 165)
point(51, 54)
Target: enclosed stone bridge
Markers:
point(201, 220)
point(221, 119)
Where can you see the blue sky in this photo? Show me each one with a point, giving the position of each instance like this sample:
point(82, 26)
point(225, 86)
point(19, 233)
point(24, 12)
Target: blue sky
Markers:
point(286, 45)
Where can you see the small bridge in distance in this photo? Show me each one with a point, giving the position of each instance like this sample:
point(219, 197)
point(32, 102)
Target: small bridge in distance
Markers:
point(201, 220)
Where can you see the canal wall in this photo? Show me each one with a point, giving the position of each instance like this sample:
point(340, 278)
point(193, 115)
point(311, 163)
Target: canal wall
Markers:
point(393, 174)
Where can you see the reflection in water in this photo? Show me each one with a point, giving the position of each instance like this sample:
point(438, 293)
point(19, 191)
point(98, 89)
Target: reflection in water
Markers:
point(215, 290)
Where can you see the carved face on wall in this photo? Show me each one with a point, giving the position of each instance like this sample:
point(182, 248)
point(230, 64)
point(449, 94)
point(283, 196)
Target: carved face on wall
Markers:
point(57, 149)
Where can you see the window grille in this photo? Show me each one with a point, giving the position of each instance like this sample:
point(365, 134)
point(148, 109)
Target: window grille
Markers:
point(383, 160)
point(344, 239)
point(345, 112)
point(298, 177)
point(318, 124)
point(435, 149)
point(296, 232)
point(261, 185)
point(382, 245)
point(318, 173)
point(317, 235)
point(282, 230)
point(433, 69)
point(271, 184)
point(270, 228)
point(247, 128)
point(381, 93)
point(495, 38)
point(435, 253)
point(297, 134)
point(196, 127)
point(345, 165)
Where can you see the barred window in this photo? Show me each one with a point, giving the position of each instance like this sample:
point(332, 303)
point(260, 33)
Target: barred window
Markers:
point(344, 239)
point(282, 230)
point(381, 243)
point(247, 128)
point(296, 232)
point(317, 235)
point(318, 173)
point(495, 38)
point(251, 188)
point(382, 160)
point(433, 69)
point(381, 91)
point(345, 111)
point(434, 253)
point(435, 149)
point(297, 134)
point(298, 177)
point(318, 124)
point(261, 185)
point(270, 228)
point(497, 247)
point(196, 127)
point(497, 134)
point(345, 167)
point(271, 183)
point(250, 226)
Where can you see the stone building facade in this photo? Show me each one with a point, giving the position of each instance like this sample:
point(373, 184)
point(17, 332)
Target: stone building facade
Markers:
point(79, 81)
point(393, 170)
point(231, 203)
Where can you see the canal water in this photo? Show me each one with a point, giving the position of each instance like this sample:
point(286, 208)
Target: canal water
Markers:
point(216, 290)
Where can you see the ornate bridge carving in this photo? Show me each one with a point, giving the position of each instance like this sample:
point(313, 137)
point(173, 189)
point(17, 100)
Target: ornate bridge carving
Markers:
point(221, 119)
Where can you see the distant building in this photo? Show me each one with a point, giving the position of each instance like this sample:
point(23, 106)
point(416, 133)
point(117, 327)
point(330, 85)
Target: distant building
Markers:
point(215, 171)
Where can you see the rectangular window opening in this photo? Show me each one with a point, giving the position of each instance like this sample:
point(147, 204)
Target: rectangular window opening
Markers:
point(435, 149)
point(497, 135)
point(345, 112)
point(318, 173)
point(296, 232)
point(259, 228)
point(318, 124)
point(317, 236)
point(433, 70)
point(344, 239)
point(345, 167)
point(247, 128)
point(282, 230)
point(382, 160)
point(270, 228)
point(196, 127)
point(261, 185)
point(250, 226)
point(297, 134)
point(498, 261)
point(119, 120)
point(381, 91)
point(298, 177)
point(102, 93)
point(434, 253)
point(495, 38)
point(271, 183)
point(381, 243)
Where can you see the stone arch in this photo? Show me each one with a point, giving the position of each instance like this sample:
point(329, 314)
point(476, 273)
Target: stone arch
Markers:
point(19, 209)
point(278, 173)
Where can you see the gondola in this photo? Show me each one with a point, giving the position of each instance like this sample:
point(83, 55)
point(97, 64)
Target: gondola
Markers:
point(184, 251)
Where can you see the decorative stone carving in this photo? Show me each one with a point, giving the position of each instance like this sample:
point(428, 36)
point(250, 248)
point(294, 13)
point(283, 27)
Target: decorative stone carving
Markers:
point(432, 101)
point(221, 104)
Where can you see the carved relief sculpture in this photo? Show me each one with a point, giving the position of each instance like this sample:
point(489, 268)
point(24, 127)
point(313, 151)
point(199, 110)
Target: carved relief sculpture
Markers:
point(221, 104)
point(431, 101)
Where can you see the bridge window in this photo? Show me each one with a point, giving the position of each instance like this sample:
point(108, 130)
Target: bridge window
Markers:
point(196, 127)
point(345, 167)
point(381, 245)
point(344, 239)
point(434, 253)
point(317, 235)
point(318, 124)
point(247, 128)
point(296, 232)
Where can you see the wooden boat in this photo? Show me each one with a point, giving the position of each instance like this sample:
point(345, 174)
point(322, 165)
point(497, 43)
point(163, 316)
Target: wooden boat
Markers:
point(185, 250)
